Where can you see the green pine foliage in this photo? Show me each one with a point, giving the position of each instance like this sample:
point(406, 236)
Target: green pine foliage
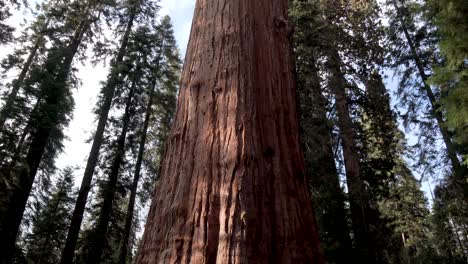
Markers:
point(449, 220)
point(452, 74)
point(49, 228)
point(316, 134)
point(43, 132)
point(396, 193)
point(20, 96)
point(151, 68)
point(414, 106)
point(166, 84)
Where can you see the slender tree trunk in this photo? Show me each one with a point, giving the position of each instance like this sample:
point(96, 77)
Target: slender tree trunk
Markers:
point(136, 178)
point(109, 90)
point(100, 231)
point(329, 200)
point(451, 150)
point(233, 186)
point(358, 199)
point(16, 197)
point(124, 244)
point(26, 131)
point(18, 83)
point(20, 145)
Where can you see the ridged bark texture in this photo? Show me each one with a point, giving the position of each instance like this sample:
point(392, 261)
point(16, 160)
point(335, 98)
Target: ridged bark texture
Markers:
point(232, 187)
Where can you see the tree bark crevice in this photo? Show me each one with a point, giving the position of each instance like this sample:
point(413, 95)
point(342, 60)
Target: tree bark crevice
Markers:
point(233, 163)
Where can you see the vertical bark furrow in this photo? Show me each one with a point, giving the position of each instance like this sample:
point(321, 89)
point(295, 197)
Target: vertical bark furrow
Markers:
point(233, 164)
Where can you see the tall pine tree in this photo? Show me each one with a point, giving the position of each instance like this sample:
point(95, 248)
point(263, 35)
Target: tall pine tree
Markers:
point(47, 122)
point(45, 242)
point(133, 10)
point(413, 55)
point(316, 130)
point(232, 186)
point(163, 81)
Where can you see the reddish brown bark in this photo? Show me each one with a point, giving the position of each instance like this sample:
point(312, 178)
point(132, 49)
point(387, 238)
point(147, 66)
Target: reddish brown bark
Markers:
point(232, 187)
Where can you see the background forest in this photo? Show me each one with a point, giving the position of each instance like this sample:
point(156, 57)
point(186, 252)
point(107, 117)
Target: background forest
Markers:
point(382, 88)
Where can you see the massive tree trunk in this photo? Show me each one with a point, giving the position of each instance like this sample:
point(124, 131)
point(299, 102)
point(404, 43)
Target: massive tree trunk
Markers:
point(328, 197)
point(16, 197)
point(100, 231)
point(108, 94)
point(232, 187)
point(359, 202)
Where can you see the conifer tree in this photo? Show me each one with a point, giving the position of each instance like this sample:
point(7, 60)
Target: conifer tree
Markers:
point(352, 51)
point(153, 71)
point(109, 188)
point(450, 238)
point(134, 10)
point(52, 11)
point(22, 92)
point(155, 67)
point(337, 43)
point(413, 55)
point(329, 199)
point(357, 194)
point(450, 218)
point(452, 74)
point(45, 242)
point(52, 115)
point(417, 39)
point(404, 217)
point(225, 170)
point(165, 75)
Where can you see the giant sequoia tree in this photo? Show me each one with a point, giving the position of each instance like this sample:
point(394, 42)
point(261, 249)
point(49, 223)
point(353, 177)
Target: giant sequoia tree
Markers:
point(232, 187)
